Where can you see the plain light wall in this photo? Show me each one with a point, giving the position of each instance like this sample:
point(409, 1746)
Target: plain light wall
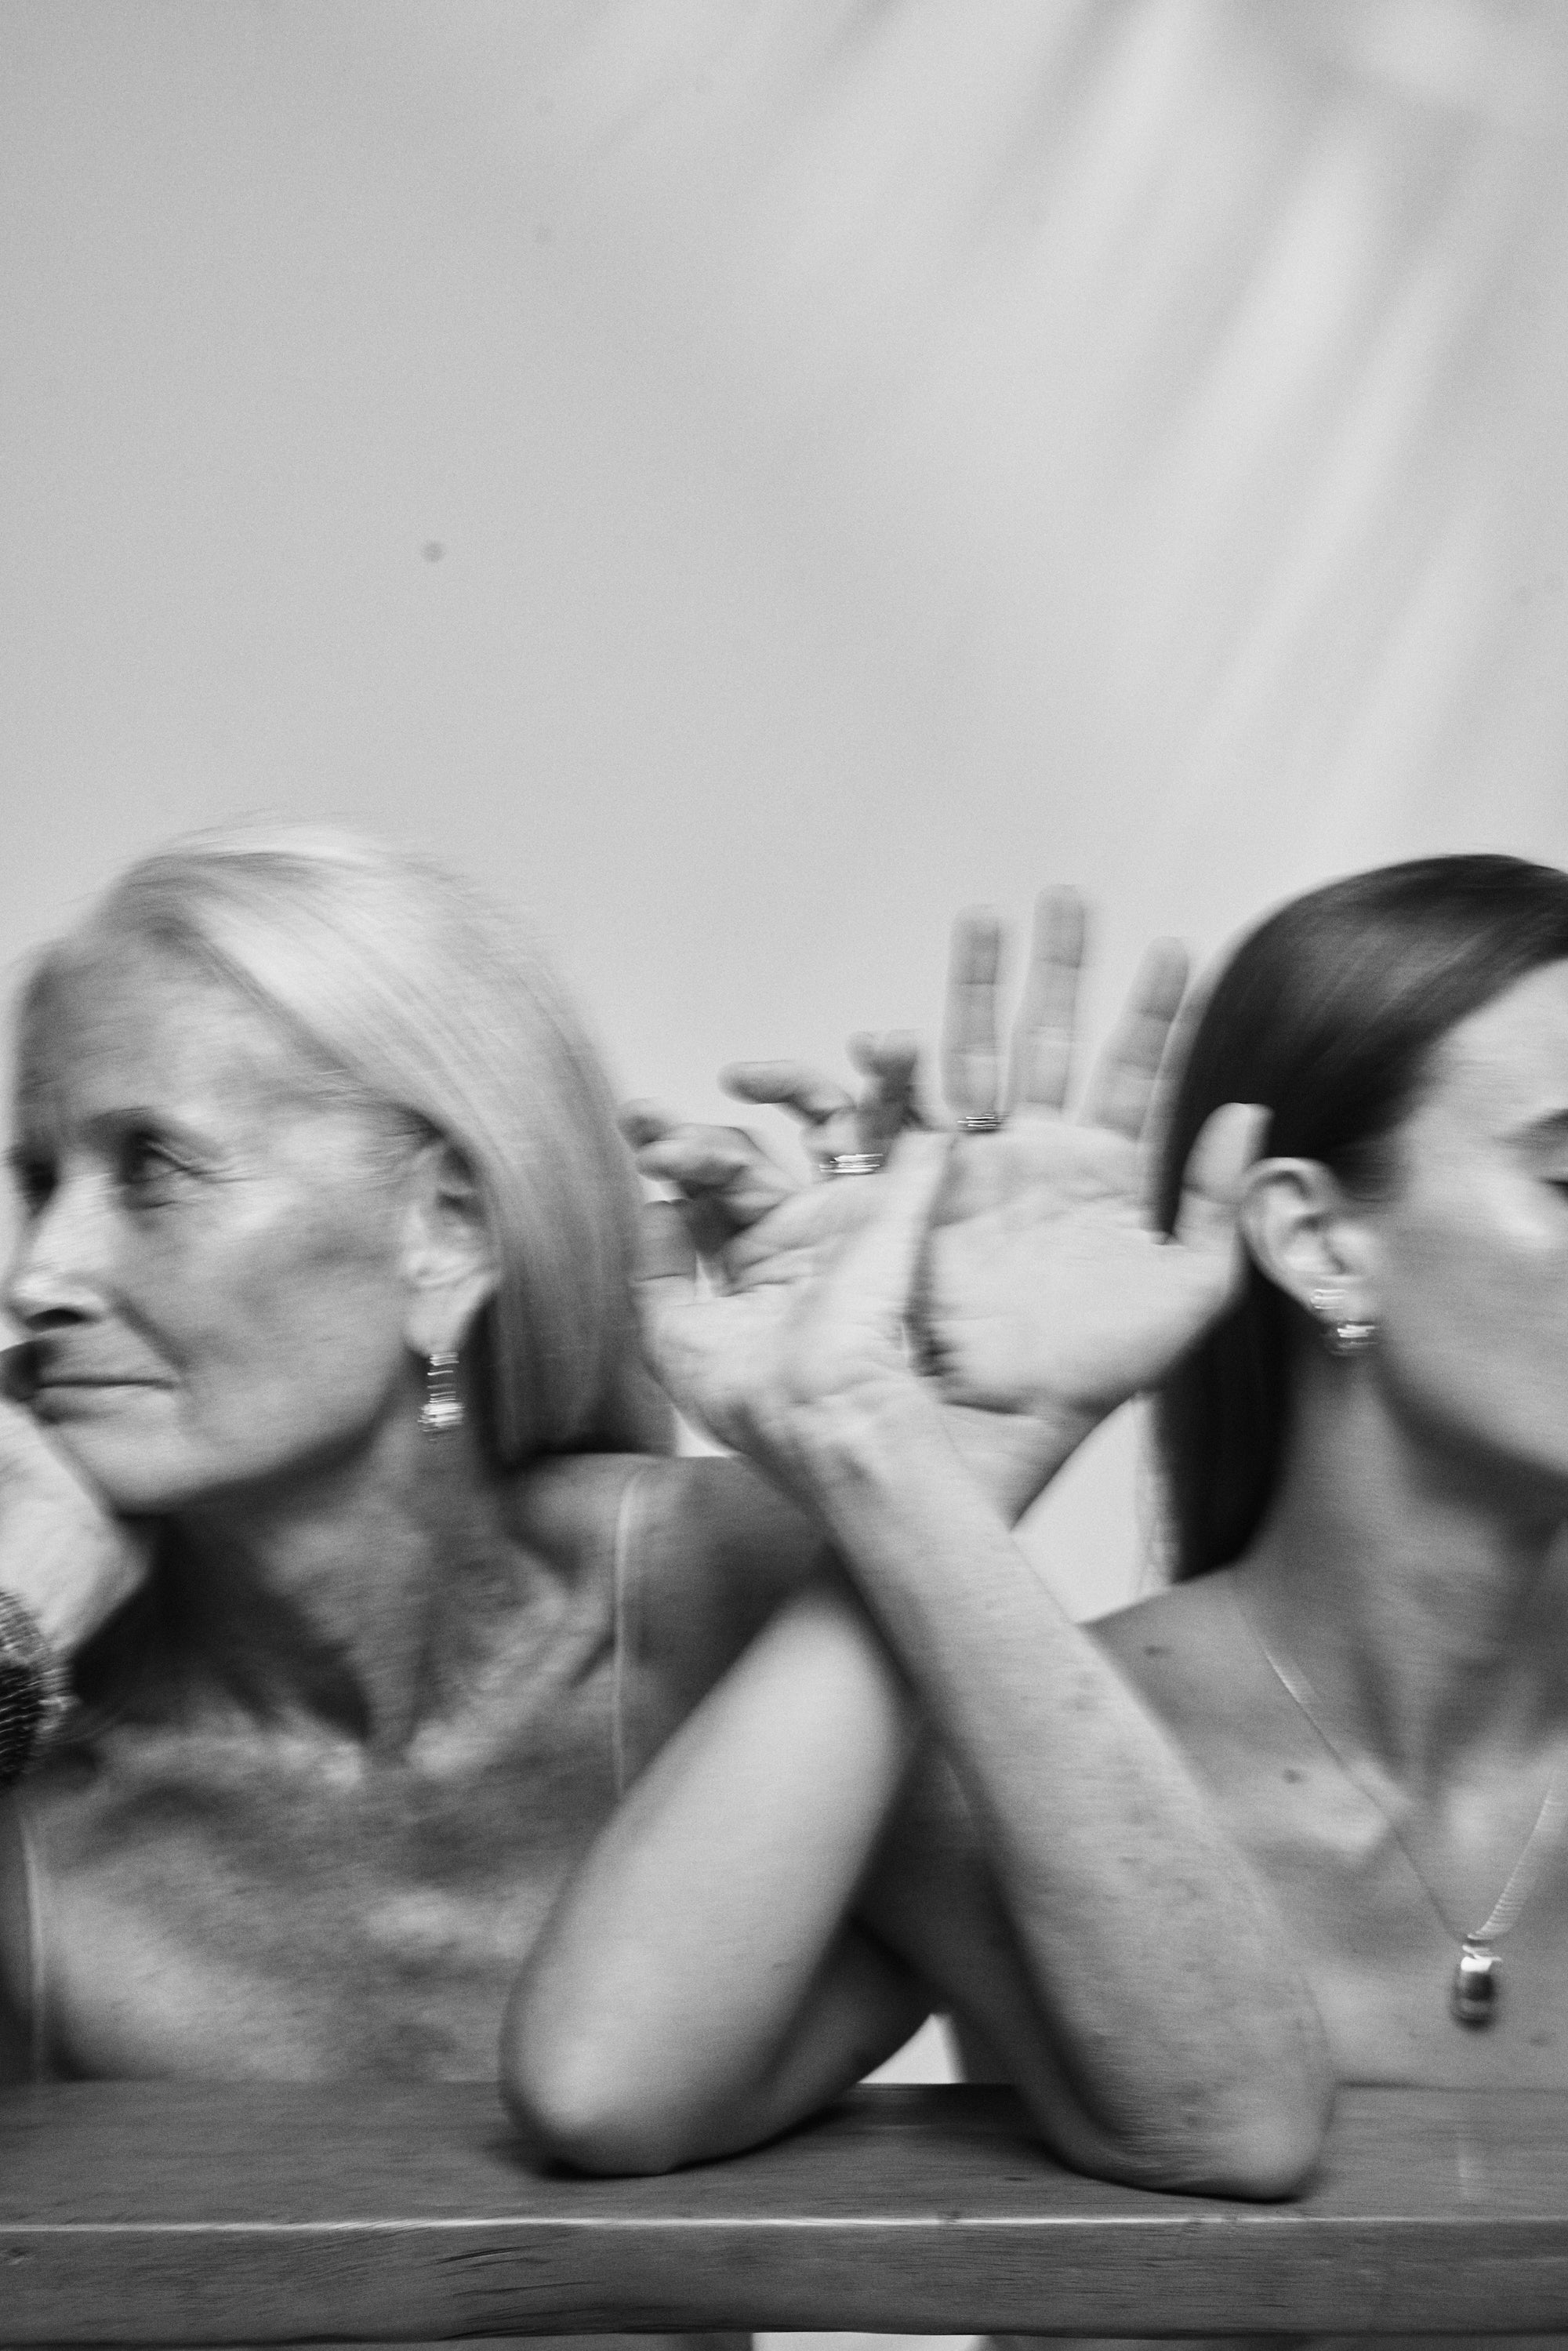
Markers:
point(743, 480)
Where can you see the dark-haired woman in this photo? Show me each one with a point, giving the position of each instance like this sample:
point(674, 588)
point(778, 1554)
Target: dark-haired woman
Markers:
point(1366, 1649)
point(1366, 1655)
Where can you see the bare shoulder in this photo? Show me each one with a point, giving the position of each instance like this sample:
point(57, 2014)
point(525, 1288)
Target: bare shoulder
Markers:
point(1189, 1653)
point(706, 1550)
point(718, 1548)
point(713, 1515)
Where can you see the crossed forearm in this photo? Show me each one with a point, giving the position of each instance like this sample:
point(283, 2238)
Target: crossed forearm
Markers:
point(1163, 2033)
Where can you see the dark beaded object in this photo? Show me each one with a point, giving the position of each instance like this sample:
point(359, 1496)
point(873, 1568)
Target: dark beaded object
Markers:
point(34, 1693)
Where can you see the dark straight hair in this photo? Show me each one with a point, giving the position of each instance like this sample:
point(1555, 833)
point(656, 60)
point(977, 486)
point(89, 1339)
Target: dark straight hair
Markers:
point(1329, 1014)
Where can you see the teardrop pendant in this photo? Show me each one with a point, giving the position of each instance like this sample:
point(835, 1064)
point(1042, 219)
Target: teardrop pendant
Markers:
point(1478, 1982)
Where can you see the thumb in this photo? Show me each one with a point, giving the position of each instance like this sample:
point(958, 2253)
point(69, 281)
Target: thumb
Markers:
point(666, 1272)
point(1227, 1143)
point(665, 1287)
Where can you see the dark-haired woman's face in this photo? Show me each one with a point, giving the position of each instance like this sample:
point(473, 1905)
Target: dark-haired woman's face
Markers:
point(209, 1261)
point(1472, 1272)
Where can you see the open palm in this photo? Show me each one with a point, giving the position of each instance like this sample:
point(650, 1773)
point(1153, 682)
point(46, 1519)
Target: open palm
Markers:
point(1050, 1291)
point(1047, 1295)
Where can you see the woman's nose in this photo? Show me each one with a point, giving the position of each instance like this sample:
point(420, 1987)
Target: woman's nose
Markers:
point(58, 1268)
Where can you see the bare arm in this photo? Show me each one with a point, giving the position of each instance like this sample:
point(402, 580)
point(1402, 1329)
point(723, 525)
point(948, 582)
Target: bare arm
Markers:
point(697, 1987)
point(1100, 1930)
point(1069, 1891)
point(1106, 1936)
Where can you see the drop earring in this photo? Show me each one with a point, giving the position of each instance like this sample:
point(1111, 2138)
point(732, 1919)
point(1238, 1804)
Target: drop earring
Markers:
point(1338, 1334)
point(442, 1410)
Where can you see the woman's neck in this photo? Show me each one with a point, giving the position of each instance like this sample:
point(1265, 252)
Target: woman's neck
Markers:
point(1425, 1601)
point(362, 1596)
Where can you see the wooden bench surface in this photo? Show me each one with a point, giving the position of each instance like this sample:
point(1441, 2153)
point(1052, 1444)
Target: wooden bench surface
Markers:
point(166, 2212)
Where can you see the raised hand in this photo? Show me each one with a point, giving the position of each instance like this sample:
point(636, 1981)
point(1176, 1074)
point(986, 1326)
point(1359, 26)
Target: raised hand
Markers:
point(839, 1126)
point(747, 1215)
point(750, 1221)
point(764, 1364)
point(1051, 1295)
point(1058, 1206)
point(1047, 1295)
point(1052, 1290)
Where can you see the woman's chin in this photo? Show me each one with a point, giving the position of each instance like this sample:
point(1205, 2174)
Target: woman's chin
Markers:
point(124, 1464)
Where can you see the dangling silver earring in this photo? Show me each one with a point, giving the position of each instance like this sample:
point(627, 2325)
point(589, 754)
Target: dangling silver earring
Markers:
point(1338, 1334)
point(442, 1410)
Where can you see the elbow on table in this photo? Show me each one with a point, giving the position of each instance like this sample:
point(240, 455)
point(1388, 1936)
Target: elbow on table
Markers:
point(579, 2105)
point(1253, 2130)
point(1263, 2153)
point(1268, 2159)
point(1279, 2114)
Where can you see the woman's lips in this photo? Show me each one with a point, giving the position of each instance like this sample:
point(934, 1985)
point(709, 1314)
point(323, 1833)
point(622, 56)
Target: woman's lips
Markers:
point(69, 1383)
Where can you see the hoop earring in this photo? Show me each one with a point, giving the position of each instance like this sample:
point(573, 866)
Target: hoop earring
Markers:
point(1338, 1334)
point(442, 1410)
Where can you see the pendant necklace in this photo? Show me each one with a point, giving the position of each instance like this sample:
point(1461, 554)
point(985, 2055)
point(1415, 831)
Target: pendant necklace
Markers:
point(1477, 1986)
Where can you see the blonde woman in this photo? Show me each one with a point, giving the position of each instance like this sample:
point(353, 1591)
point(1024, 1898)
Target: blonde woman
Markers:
point(338, 1508)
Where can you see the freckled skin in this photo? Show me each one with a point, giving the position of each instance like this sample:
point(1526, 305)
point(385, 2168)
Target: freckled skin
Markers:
point(1377, 1961)
point(370, 1730)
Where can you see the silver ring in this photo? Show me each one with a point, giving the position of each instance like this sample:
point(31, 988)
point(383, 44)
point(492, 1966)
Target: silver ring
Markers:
point(853, 1163)
point(990, 1122)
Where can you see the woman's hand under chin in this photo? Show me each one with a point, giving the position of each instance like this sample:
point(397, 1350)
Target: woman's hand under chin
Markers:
point(63, 1552)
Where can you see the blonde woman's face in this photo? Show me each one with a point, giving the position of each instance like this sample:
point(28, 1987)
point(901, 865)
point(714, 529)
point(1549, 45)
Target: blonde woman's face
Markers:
point(208, 1264)
point(1472, 1251)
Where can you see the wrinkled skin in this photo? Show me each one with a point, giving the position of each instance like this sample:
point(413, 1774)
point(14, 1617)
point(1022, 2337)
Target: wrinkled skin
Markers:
point(365, 1728)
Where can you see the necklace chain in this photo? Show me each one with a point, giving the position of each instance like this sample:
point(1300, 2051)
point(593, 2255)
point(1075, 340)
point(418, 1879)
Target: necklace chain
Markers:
point(1504, 1912)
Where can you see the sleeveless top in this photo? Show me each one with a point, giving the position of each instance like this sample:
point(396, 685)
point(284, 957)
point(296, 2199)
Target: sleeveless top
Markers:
point(578, 1743)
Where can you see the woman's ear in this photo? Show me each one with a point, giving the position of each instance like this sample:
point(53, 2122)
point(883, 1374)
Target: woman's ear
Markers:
point(1308, 1238)
point(449, 1264)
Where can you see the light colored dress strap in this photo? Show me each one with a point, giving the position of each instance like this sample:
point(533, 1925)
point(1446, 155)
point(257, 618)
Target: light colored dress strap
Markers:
point(623, 1568)
point(32, 1942)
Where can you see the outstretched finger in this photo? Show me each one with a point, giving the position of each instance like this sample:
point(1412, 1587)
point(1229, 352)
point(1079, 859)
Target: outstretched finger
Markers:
point(794, 1086)
point(713, 1159)
point(1042, 1067)
point(971, 1062)
point(724, 1175)
point(1227, 1143)
point(890, 1065)
point(1128, 1070)
point(645, 1122)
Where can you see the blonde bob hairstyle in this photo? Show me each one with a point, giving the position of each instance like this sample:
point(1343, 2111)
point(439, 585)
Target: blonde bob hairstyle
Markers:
point(410, 993)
